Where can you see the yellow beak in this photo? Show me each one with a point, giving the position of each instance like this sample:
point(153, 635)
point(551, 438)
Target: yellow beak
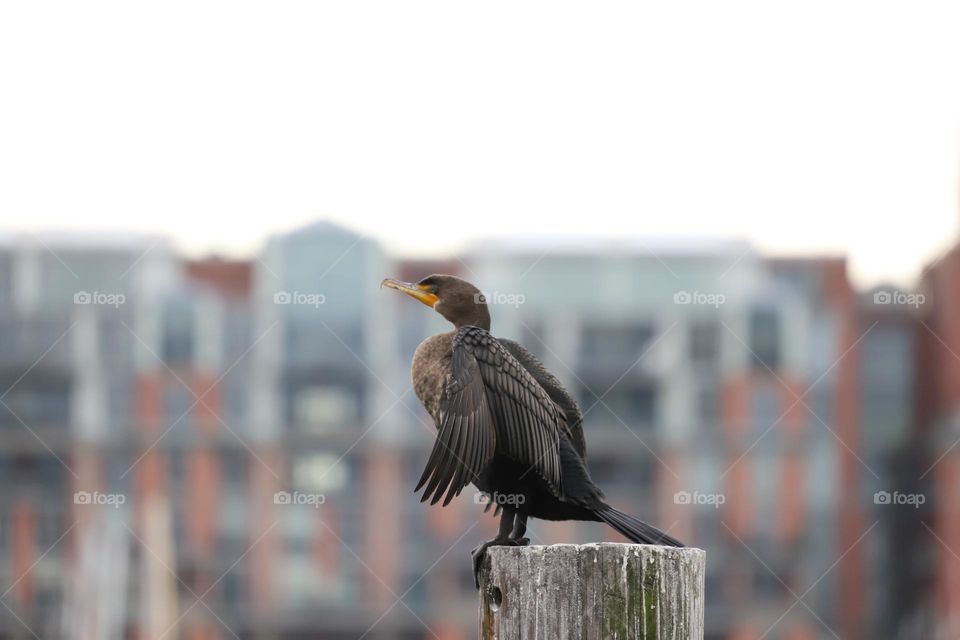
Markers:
point(417, 291)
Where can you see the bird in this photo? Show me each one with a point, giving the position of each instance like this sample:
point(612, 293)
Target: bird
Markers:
point(504, 424)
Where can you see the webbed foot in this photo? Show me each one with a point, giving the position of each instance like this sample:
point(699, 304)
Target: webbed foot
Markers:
point(481, 550)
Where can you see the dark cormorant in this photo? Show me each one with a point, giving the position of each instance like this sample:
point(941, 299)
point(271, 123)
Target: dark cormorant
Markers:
point(505, 424)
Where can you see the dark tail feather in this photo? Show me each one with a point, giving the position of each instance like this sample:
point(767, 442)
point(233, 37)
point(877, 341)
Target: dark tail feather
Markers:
point(635, 530)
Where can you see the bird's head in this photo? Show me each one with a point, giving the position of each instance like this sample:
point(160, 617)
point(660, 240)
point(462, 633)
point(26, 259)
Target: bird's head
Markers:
point(454, 298)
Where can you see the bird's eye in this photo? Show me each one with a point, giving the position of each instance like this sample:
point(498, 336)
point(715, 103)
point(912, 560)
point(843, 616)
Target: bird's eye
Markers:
point(434, 289)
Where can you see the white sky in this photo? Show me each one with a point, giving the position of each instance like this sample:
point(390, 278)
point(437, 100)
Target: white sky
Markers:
point(817, 127)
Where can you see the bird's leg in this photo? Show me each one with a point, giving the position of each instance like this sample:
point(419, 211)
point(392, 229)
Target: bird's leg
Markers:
point(503, 539)
point(519, 528)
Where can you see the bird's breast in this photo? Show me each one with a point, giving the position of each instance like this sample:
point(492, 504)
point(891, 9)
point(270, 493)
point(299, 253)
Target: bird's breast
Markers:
point(431, 366)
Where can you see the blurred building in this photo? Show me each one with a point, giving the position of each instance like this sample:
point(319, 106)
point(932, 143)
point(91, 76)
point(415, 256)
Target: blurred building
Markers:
point(209, 448)
point(930, 566)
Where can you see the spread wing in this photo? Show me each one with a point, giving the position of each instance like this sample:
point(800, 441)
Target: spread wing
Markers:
point(491, 403)
point(573, 418)
point(466, 439)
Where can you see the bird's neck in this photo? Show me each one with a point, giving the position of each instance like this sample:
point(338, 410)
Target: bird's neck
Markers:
point(479, 319)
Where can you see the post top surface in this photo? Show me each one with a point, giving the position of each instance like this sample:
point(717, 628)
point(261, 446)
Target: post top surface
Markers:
point(621, 546)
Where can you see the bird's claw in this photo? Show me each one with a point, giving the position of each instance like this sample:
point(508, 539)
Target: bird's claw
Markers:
point(480, 551)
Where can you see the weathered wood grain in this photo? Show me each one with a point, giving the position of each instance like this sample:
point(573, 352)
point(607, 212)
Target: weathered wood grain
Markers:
point(601, 591)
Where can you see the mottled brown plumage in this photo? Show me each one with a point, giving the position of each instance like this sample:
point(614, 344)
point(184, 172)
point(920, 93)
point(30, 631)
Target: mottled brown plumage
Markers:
point(505, 423)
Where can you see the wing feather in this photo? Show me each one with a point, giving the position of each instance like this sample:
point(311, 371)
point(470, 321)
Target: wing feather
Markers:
point(466, 440)
point(569, 409)
point(529, 422)
point(490, 404)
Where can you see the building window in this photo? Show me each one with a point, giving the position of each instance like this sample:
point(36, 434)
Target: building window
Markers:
point(708, 405)
point(320, 473)
point(765, 338)
point(605, 342)
point(40, 399)
point(633, 403)
point(765, 407)
point(177, 348)
point(325, 407)
point(179, 405)
point(704, 342)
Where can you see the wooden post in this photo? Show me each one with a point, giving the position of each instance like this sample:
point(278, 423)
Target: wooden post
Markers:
point(595, 591)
